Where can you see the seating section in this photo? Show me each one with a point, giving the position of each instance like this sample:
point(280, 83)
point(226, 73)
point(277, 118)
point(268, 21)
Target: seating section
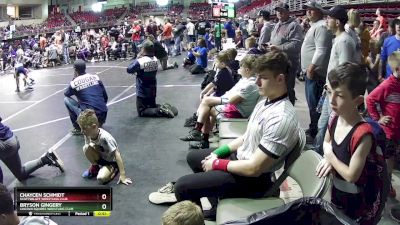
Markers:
point(56, 20)
point(196, 9)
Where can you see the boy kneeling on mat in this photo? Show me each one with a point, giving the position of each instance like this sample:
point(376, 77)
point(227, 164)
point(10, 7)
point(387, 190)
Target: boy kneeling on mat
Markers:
point(101, 150)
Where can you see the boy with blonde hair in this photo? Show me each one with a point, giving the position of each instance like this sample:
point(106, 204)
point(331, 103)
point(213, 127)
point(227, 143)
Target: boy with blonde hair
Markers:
point(183, 213)
point(387, 96)
point(101, 150)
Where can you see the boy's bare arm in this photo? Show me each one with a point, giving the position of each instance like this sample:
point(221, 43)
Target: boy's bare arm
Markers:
point(123, 179)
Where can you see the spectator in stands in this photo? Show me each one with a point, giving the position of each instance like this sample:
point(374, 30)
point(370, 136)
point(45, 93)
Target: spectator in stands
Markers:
point(152, 28)
point(243, 25)
point(183, 213)
point(217, 34)
point(287, 36)
point(178, 36)
point(382, 20)
point(90, 93)
point(388, 113)
point(166, 35)
point(266, 28)
point(230, 28)
point(252, 47)
point(201, 26)
point(365, 39)
point(390, 45)
point(343, 49)
point(315, 53)
point(243, 167)
point(42, 42)
point(353, 22)
point(190, 31)
point(65, 46)
point(376, 30)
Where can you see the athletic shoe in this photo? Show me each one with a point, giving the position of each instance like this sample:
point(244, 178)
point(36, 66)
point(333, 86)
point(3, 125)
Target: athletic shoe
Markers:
point(51, 158)
point(164, 195)
point(193, 135)
point(200, 145)
point(191, 121)
point(28, 88)
point(172, 108)
point(167, 112)
point(76, 131)
point(91, 172)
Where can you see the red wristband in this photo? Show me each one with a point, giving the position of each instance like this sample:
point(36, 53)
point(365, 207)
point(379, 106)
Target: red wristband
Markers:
point(220, 164)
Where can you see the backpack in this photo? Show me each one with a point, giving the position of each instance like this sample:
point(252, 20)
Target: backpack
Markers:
point(375, 176)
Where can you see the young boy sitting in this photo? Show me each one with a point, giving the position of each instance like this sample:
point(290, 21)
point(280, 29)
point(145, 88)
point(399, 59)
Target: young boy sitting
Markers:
point(238, 102)
point(183, 213)
point(385, 96)
point(350, 148)
point(101, 150)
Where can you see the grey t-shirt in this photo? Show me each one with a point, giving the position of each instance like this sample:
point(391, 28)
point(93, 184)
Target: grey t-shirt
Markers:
point(105, 143)
point(247, 89)
point(343, 50)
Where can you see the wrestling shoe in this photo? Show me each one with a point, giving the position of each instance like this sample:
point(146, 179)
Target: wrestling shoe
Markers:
point(51, 158)
point(91, 172)
point(164, 195)
point(191, 121)
point(172, 108)
point(200, 145)
point(167, 112)
point(193, 135)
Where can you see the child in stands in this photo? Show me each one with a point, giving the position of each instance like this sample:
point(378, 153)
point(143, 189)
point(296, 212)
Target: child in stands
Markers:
point(350, 149)
point(183, 213)
point(101, 150)
point(387, 96)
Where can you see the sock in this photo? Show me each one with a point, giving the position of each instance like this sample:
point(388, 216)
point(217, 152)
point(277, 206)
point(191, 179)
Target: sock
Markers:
point(205, 137)
point(198, 126)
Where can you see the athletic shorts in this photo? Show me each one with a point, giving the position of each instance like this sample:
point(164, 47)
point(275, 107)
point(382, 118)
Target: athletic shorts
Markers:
point(227, 111)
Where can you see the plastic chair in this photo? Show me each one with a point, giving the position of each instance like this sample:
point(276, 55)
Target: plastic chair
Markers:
point(302, 171)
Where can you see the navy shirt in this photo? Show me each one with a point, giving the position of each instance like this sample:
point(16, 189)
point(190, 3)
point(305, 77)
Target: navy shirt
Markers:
point(90, 92)
point(230, 30)
point(223, 82)
point(5, 132)
point(146, 70)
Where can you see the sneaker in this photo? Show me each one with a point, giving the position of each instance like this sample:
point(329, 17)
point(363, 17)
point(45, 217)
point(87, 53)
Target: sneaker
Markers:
point(200, 145)
point(392, 192)
point(193, 135)
point(76, 131)
point(167, 112)
point(91, 172)
point(172, 108)
point(191, 121)
point(28, 88)
point(176, 65)
point(51, 158)
point(164, 195)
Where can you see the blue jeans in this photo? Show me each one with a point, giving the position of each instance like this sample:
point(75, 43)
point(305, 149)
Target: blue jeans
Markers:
point(313, 93)
point(73, 110)
point(66, 53)
point(178, 40)
point(322, 126)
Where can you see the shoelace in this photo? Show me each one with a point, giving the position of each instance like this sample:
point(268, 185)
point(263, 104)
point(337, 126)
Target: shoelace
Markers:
point(168, 188)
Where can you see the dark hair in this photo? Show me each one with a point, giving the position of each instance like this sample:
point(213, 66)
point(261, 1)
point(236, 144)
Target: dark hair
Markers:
point(202, 42)
point(232, 53)
point(393, 23)
point(352, 75)
point(275, 61)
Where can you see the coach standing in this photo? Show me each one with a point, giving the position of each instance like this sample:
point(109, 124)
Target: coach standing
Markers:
point(287, 36)
point(315, 53)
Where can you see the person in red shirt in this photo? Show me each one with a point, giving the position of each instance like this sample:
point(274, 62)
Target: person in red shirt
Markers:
point(166, 35)
point(381, 19)
point(135, 37)
point(105, 46)
point(387, 96)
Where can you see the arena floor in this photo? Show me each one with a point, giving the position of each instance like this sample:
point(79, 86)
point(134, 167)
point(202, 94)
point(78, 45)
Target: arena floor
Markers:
point(151, 150)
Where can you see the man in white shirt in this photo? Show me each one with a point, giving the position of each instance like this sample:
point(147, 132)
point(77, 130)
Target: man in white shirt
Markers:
point(190, 31)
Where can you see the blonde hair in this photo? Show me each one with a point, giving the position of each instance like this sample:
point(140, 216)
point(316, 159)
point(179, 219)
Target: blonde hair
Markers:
point(394, 60)
point(183, 213)
point(223, 57)
point(250, 42)
point(87, 118)
point(248, 61)
point(354, 17)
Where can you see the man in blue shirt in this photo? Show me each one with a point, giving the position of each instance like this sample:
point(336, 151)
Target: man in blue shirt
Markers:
point(145, 67)
point(90, 94)
point(230, 29)
point(200, 52)
point(390, 45)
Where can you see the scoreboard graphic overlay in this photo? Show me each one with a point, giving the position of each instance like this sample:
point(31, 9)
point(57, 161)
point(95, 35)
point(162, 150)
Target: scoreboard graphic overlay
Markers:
point(63, 201)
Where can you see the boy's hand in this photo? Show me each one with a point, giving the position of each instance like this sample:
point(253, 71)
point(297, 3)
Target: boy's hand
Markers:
point(207, 163)
point(124, 180)
point(323, 168)
point(385, 120)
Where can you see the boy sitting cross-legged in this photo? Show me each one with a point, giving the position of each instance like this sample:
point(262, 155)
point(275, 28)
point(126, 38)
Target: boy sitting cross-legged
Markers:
point(101, 150)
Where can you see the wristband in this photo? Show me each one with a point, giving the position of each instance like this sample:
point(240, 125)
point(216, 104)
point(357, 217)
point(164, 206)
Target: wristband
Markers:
point(220, 164)
point(222, 151)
